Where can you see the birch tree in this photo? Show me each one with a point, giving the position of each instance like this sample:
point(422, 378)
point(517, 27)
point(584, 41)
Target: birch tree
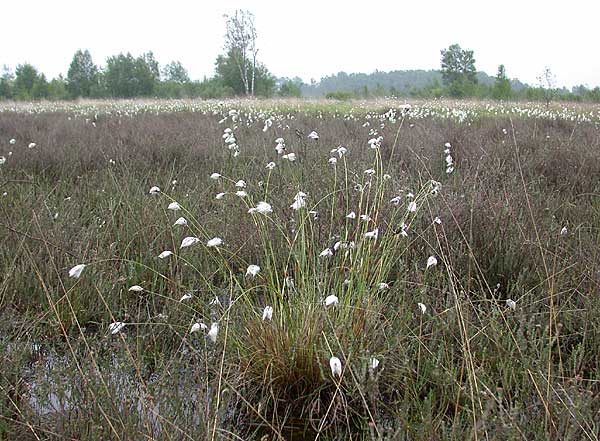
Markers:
point(240, 44)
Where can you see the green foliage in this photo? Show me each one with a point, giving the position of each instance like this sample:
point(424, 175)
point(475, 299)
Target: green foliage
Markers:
point(502, 89)
point(227, 72)
point(128, 77)
point(82, 76)
point(206, 89)
point(6, 83)
point(172, 89)
point(340, 95)
point(458, 71)
point(147, 61)
point(57, 89)
point(534, 94)
point(290, 88)
point(431, 90)
point(5, 89)
point(591, 95)
point(25, 79)
point(40, 87)
point(174, 72)
point(212, 88)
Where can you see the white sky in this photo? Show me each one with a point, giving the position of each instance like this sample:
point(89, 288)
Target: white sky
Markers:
point(310, 38)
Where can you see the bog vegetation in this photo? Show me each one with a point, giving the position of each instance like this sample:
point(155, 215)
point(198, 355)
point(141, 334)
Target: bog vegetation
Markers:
point(228, 270)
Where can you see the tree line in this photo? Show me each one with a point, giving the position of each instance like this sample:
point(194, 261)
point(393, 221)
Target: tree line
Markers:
point(238, 72)
point(457, 78)
point(126, 76)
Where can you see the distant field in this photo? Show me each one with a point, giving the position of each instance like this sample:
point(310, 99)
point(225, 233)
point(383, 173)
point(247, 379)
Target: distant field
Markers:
point(444, 108)
point(384, 271)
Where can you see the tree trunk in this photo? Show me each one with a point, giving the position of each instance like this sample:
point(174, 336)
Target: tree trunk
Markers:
point(253, 70)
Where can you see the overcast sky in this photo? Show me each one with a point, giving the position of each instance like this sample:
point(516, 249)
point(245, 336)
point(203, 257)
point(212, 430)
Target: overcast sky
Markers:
point(310, 38)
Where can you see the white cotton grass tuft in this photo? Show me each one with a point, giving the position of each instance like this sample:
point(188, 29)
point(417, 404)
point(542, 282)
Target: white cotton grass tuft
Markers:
point(252, 270)
point(220, 195)
point(313, 135)
point(136, 288)
point(412, 206)
point(154, 190)
point(336, 366)
point(280, 147)
point(116, 327)
point(351, 215)
point(299, 201)
point(373, 363)
point(240, 184)
point(375, 143)
point(76, 271)
point(214, 242)
point(564, 231)
point(268, 123)
point(32, 145)
point(12, 141)
point(383, 286)
point(326, 253)
point(511, 304)
point(174, 206)
point(267, 313)
point(331, 300)
point(181, 221)
point(290, 157)
point(215, 176)
point(189, 241)
point(271, 165)
point(431, 261)
point(197, 327)
point(186, 296)
point(165, 254)
point(372, 234)
point(403, 230)
point(241, 193)
point(340, 151)
point(212, 334)
point(262, 208)
point(422, 307)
